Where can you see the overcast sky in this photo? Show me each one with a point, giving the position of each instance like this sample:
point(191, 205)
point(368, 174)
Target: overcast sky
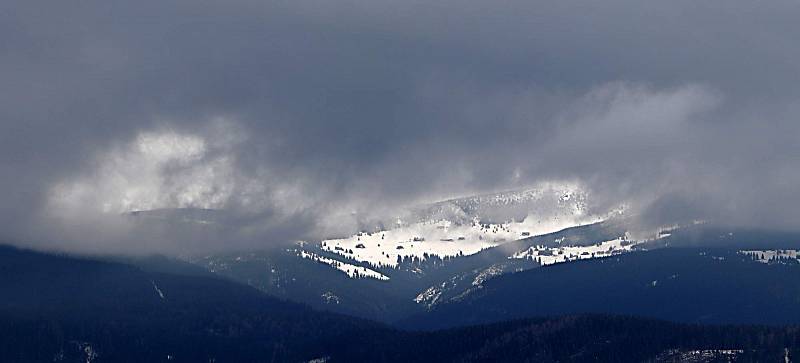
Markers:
point(292, 112)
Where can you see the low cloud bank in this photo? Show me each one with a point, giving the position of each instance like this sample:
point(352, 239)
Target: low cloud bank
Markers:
point(299, 119)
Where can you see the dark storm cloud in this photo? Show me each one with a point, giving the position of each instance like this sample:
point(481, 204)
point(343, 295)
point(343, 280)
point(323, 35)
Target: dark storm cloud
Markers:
point(307, 110)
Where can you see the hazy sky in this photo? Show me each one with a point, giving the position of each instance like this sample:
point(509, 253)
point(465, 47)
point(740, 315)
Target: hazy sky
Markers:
point(295, 112)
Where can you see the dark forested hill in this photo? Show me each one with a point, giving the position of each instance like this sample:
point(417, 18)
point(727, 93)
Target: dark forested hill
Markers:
point(57, 307)
point(589, 338)
point(66, 309)
point(678, 284)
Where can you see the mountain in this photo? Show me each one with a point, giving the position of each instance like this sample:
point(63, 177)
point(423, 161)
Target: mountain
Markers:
point(588, 338)
point(67, 309)
point(62, 308)
point(465, 226)
point(325, 280)
point(432, 252)
point(678, 284)
point(586, 265)
point(547, 201)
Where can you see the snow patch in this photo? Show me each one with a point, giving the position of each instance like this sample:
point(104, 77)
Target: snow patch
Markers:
point(486, 274)
point(330, 298)
point(430, 296)
point(772, 256)
point(442, 238)
point(351, 270)
point(87, 349)
point(551, 255)
point(158, 291)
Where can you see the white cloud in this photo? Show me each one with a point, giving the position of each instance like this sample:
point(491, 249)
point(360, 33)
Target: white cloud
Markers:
point(157, 169)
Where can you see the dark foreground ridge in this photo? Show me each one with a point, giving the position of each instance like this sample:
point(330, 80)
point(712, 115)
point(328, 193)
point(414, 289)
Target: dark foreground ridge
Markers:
point(688, 285)
point(66, 309)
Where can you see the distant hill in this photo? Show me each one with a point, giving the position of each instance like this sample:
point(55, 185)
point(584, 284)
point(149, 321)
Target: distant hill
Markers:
point(58, 308)
point(710, 286)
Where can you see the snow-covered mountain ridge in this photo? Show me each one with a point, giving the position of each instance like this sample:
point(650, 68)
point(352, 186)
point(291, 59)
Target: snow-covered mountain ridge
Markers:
point(465, 226)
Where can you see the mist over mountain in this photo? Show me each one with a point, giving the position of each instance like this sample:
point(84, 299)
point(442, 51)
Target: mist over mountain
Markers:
point(309, 118)
point(321, 181)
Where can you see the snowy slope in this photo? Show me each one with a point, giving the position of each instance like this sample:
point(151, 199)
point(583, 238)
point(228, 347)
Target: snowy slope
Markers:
point(550, 255)
point(546, 201)
point(465, 226)
point(351, 270)
point(773, 256)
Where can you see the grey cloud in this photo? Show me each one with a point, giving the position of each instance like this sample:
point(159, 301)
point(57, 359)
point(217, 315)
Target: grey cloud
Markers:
point(685, 109)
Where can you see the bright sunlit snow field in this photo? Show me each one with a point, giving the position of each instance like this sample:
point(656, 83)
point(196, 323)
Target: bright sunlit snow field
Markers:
point(549, 256)
point(466, 226)
point(442, 238)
